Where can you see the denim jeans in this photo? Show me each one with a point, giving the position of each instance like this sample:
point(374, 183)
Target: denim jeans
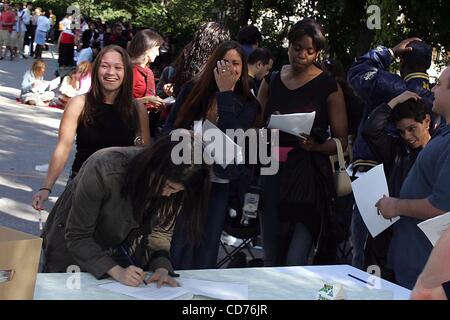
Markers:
point(300, 246)
point(269, 218)
point(300, 243)
point(359, 234)
point(204, 254)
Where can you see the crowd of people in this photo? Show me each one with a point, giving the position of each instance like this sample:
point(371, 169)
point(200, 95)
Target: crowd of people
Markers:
point(126, 197)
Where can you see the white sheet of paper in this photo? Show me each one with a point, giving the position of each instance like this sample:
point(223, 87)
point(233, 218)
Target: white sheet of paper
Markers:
point(54, 84)
point(150, 292)
point(40, 86)
point(169, 100)
point(215, 289)
point(367, 190)
point(435, 227)
point(293, 123)
point(224, 151)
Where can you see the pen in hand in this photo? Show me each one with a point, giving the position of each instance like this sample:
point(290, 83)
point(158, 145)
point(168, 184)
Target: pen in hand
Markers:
point(130, 260)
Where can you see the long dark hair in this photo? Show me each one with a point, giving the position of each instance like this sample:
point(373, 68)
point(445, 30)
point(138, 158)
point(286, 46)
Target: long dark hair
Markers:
point(205, 41)
point(124, 99)
point(147, 175)
point(205, 86)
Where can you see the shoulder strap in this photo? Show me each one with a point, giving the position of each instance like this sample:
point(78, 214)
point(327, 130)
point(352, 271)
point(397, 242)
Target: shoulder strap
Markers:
point(340, 154)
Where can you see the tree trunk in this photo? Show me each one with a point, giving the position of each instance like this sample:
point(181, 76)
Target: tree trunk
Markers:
point(247, 12)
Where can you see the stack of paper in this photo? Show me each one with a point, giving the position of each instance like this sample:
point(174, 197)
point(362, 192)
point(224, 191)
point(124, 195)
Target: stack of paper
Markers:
point(218, 145)
point(189, 288)
point(435, 227)
point(293, 123)
point(149, 292)
point(367, 190)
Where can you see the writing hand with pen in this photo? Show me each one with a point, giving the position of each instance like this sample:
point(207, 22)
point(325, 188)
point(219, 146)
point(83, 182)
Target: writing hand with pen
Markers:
point(388, 207)
point(134, 276)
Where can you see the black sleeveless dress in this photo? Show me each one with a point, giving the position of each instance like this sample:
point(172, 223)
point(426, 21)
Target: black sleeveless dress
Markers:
point(314, 182)
point(108, 130)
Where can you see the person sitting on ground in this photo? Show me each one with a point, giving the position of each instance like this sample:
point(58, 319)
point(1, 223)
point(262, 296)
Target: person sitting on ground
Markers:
point(34, 88)
point(119, 213)
point(76, 83)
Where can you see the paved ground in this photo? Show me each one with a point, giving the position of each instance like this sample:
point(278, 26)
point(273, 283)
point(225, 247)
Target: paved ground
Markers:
point(27, 138)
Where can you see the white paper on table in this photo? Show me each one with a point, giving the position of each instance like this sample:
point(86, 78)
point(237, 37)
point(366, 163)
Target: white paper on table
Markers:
point(367, 190)
point(293, 123)
point(215, 289)
point(435, 227)
point(149, 292)
point(219, 146)
point(169, 100)
point(54, 84)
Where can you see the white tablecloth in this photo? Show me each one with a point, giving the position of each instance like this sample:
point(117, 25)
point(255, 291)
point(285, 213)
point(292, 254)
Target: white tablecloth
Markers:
point(285, 283)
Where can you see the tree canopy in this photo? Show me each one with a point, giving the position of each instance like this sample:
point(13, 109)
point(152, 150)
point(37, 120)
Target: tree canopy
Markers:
point(344, 21)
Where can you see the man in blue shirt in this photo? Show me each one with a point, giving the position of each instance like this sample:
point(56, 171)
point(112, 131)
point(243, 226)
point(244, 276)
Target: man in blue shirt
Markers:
point(425, 194)
point(434, 281)
point(249, 38)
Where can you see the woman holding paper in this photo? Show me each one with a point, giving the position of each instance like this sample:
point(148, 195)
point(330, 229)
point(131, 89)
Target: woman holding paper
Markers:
point(116, 218)
point(105, 117)
point(220, 94)
point(34, 87)
point(297, 199)
point(143, 49)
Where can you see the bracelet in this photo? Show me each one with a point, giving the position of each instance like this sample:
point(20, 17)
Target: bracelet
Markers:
point(48, 189)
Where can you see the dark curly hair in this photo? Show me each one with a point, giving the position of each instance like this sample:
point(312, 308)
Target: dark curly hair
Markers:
point(411, 109)
point(206, 39)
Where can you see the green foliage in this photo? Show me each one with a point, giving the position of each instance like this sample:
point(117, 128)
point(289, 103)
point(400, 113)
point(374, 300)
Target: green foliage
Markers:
point(344, 21)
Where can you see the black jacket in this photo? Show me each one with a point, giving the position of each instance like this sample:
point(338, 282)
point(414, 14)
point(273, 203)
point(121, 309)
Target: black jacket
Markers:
point(86, 38)
point(370, 78)
point(235, 112)
point(397, 157)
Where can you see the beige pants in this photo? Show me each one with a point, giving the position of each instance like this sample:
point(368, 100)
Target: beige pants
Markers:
point(5, 38)
point(17, 40)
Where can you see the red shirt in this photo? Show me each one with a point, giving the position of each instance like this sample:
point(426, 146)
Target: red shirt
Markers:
point(67, 38)
point(143, 83)
point(7, 17)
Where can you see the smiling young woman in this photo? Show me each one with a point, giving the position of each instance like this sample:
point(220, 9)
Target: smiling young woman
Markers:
point(104, 117)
